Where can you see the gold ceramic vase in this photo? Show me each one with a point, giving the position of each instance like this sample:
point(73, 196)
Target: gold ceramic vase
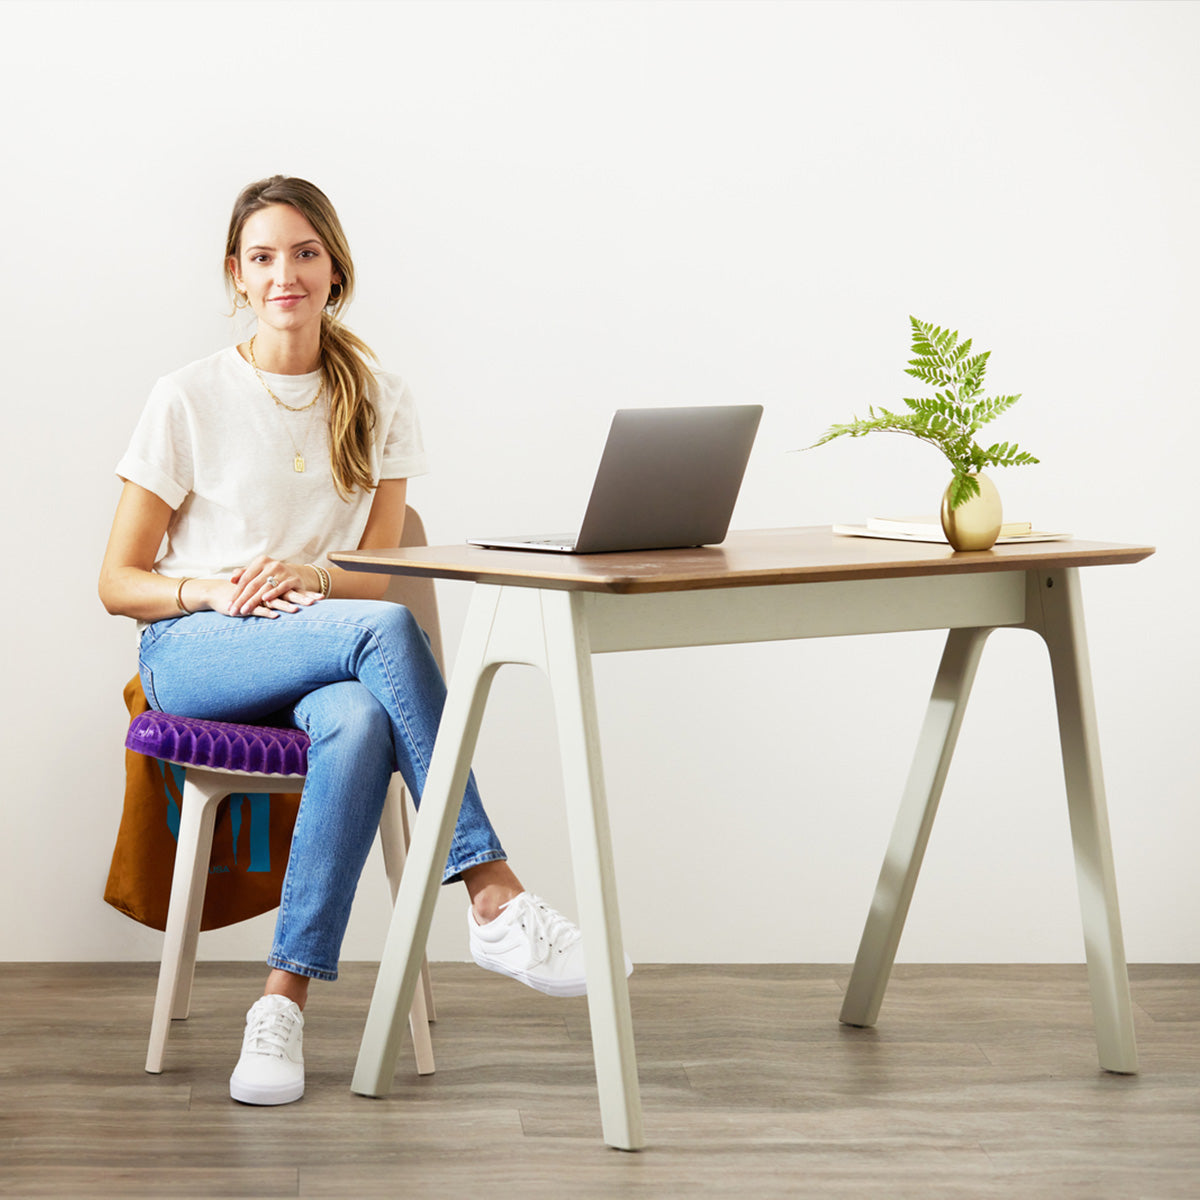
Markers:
point(974, 524)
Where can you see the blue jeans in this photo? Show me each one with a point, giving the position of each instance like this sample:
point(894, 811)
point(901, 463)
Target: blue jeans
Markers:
point(358, 677)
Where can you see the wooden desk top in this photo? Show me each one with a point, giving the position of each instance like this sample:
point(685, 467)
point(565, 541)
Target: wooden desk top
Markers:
point(749, 558)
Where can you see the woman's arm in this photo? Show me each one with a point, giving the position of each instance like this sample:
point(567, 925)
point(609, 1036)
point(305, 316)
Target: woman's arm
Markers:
point(385, 524)
point(129, 585)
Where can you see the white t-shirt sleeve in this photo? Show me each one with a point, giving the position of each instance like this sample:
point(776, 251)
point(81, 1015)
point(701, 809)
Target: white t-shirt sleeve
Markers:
point(159, 457)
point(403, 450)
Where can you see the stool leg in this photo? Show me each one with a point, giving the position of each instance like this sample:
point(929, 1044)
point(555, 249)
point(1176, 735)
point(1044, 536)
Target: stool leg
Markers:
point(201, 795)
point(426, 985)
point(393, 835)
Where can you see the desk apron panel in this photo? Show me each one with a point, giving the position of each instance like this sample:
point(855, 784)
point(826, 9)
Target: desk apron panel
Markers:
point(803, 610)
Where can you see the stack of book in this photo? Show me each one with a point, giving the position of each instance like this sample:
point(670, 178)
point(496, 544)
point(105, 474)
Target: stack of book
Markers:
point(929, 529)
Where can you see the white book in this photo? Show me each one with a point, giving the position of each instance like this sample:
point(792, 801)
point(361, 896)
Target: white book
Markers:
point(922, 526)
point(918, 530)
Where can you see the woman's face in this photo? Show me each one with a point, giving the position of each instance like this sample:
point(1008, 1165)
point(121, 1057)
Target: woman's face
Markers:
point(283, 268)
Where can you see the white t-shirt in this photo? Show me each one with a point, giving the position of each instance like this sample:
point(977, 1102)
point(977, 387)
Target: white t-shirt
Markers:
point(213, 444)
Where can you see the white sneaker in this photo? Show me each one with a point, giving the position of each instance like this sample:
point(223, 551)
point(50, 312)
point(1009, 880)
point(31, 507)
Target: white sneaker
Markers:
point(271, 1068)
point(532, 943)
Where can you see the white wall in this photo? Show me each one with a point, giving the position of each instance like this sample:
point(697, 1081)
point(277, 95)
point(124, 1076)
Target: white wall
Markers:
point(561, 208)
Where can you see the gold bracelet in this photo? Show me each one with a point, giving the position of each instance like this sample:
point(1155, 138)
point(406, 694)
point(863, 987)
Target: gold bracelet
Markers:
point(323, 578)
point(179, 595)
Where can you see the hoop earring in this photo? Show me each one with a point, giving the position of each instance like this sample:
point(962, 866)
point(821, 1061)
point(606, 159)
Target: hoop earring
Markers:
point(241, 300)
point(335, 294)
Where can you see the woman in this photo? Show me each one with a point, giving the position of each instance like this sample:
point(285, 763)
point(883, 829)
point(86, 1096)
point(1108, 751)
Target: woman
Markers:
point(244, 471)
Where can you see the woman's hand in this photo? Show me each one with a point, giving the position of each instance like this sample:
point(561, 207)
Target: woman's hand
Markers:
point(266, 587)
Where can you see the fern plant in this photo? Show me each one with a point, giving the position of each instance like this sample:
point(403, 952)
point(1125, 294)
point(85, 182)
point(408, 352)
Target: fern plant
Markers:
point(950, 419)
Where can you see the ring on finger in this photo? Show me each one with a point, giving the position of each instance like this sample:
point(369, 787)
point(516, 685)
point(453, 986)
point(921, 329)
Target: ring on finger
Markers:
point(272, 581)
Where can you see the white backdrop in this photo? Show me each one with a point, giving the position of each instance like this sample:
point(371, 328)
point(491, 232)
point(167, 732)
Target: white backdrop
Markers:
point(561, 208)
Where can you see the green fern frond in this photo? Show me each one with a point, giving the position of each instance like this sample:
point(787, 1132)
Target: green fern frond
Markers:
point(1005, 454)
point(950, 418)
point(962, 487)
point(928, 371)
point(987, 410)
point(971, 376)
point(945, 341)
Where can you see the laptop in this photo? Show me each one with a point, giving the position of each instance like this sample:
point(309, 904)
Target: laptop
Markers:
point(668, 478)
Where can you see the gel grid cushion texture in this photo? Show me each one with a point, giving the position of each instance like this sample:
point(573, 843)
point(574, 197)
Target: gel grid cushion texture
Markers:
point(221, 745)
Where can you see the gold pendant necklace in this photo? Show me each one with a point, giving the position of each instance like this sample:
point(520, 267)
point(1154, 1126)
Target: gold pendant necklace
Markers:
point(298, 464)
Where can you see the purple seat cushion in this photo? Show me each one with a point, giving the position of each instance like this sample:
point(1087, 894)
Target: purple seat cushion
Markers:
point(220, 745)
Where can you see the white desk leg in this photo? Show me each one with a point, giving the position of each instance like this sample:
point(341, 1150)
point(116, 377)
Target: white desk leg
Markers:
point(569, 666)
point(394, 836)
point(400, 966)
point(910, 834)
point(1055, 610)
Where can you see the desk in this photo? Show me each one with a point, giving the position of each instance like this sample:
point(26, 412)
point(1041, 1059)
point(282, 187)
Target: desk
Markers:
point(555, 611)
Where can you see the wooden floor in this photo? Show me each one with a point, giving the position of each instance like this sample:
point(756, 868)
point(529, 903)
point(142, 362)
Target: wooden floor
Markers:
point(979, 1082)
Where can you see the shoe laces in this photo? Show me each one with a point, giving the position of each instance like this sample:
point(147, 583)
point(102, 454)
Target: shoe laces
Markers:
point(549, 932)
point(271, 1032)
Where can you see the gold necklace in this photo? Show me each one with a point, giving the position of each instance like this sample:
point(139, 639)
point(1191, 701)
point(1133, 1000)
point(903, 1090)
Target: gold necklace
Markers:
point(298, 463)
point(289, 407)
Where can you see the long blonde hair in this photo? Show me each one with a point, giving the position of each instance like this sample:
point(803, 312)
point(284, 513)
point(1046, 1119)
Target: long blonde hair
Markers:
point(349, 383)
